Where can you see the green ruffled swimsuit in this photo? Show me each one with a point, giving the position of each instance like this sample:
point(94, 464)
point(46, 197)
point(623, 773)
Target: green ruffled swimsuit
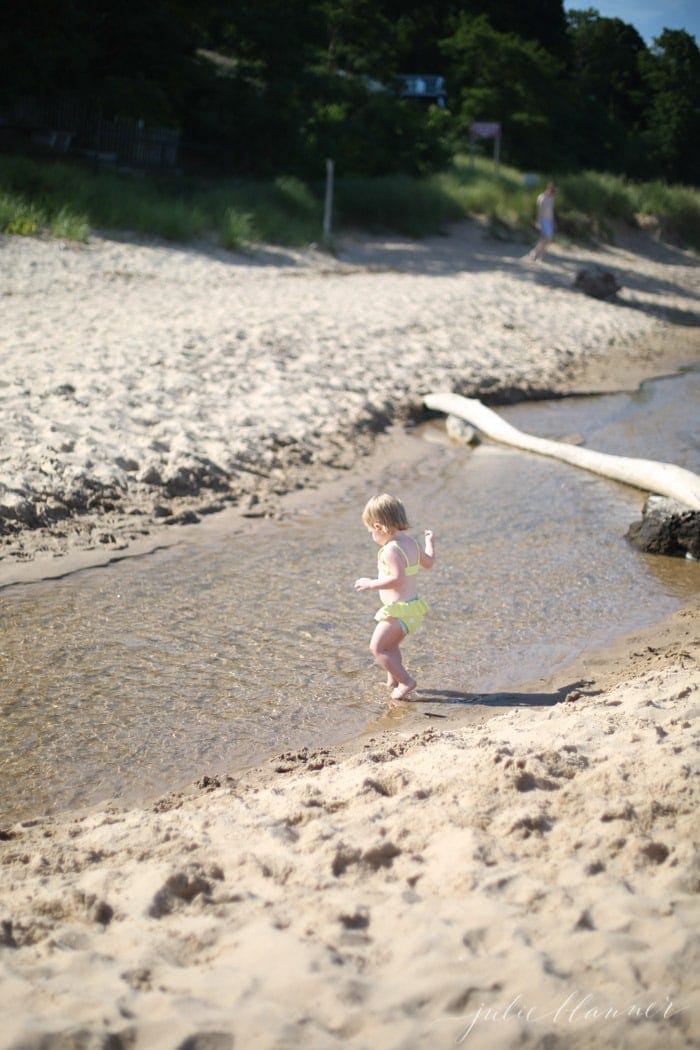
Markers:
point(409, 614)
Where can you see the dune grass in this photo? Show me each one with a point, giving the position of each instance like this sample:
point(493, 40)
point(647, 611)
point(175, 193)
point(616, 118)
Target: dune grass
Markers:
point(68, 199)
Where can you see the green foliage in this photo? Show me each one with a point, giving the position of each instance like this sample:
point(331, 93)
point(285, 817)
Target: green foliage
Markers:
point(598, 195)
point(67, 200)
point(410, 206)
point(277, 86)
point(237, 229)
point(285, 211)
point(677, 208)
point(542, 21)
point(405, 137)
point(501, 77)
point(69, 225)
point(606, 64)
point(18, 217)
point(128, 61)
point(671, 73)
point(501, 198)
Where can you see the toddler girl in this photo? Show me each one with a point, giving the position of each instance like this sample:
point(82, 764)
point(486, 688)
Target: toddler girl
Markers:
point(399, 561)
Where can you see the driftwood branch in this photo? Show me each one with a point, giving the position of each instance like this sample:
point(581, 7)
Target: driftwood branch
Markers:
point(665, 479)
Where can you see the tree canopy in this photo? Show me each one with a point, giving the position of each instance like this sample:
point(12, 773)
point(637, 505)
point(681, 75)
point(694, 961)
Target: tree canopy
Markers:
point(259, 87)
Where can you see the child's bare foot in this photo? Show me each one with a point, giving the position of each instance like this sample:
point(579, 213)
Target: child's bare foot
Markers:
point(402, 691)
point(391, 682)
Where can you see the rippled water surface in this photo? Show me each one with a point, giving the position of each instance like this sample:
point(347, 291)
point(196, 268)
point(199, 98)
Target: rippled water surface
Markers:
point(121, 682)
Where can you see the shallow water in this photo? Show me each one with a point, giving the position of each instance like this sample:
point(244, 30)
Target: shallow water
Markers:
point(124, 681)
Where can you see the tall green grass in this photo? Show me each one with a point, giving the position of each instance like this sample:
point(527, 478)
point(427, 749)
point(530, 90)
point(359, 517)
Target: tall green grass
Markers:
point(410, 206)
point(676, 207)
point(68, 199)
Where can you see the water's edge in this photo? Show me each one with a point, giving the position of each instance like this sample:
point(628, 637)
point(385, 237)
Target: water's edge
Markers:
point(229, 678)
point(42, 566)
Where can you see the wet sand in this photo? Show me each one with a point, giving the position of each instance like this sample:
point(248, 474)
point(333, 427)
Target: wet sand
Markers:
point(528, 878)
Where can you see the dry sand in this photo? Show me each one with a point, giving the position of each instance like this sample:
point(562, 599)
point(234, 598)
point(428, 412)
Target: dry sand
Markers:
point(530, 880)
point(146, 385)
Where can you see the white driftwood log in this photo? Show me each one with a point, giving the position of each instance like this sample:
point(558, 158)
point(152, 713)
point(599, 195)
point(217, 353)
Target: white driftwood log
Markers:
point(666, 479)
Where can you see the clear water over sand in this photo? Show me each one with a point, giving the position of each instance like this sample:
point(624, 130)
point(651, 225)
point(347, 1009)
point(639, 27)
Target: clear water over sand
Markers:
point(124, 681)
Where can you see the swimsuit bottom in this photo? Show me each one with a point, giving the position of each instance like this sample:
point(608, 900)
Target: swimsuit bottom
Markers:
point(409, 614)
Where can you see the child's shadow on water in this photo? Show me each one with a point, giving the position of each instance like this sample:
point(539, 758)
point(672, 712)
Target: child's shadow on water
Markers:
point(505, 698)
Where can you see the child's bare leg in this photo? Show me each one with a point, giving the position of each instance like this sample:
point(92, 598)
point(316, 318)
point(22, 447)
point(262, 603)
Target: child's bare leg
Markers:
point(384, 646)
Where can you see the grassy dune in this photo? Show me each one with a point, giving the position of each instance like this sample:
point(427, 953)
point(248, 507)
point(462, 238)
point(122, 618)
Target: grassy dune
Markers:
point(68, 199)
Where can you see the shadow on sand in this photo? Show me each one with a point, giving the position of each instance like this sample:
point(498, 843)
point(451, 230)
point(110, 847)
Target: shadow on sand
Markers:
point(504, 699)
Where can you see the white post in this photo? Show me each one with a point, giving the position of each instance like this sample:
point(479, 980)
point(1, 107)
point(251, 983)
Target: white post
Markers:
point(328, 209)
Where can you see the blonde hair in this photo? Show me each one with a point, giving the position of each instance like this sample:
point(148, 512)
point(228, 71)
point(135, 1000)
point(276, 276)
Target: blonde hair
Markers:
point(386, 510)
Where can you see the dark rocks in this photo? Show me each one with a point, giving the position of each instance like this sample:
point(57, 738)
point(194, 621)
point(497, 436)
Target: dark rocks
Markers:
point(127, 464)
point(208, 1041)
point(181, 888)
point(184, 482)
point(598, 283)
point(667, 527)
point(190, 478)
point(187, 517)
point(100, 912)
point(15, 507)
point(152, 476)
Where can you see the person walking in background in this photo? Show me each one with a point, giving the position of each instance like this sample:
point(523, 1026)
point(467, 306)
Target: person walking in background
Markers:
point(544, 222)
point(399, 561)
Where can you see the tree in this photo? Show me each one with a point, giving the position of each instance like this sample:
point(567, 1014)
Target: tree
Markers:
point(542, 21)
point(606, 64)
point(501, 77)
point(671, 73)
point(607, 89)
point(268, 86)
point(319, 76)
point(126, 64)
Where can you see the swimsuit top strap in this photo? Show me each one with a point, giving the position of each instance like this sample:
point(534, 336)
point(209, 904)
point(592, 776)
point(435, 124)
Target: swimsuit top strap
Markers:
point(411, 570)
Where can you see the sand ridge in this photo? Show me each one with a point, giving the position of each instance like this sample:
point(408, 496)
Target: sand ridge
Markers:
point(147, 384)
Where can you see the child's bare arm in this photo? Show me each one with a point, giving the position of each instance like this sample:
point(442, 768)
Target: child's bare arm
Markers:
point(427, 556)
point(394, 577)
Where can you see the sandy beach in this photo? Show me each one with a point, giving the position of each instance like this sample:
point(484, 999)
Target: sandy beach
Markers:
point(528, 878)
point(147, 385)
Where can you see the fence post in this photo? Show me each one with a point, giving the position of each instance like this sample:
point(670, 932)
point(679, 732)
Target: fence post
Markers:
point(328, 208)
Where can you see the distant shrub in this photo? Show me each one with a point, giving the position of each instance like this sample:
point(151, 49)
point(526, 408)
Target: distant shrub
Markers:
point(19, 217)
point(237, 229)
point(69, 225)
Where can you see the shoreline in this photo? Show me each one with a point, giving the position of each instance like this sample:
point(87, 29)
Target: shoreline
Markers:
point(663, 359)
point(149, 386)
point(623, 657)
point(423, 709)
point(592, 673)
point(515, 875)
point(539, 856)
